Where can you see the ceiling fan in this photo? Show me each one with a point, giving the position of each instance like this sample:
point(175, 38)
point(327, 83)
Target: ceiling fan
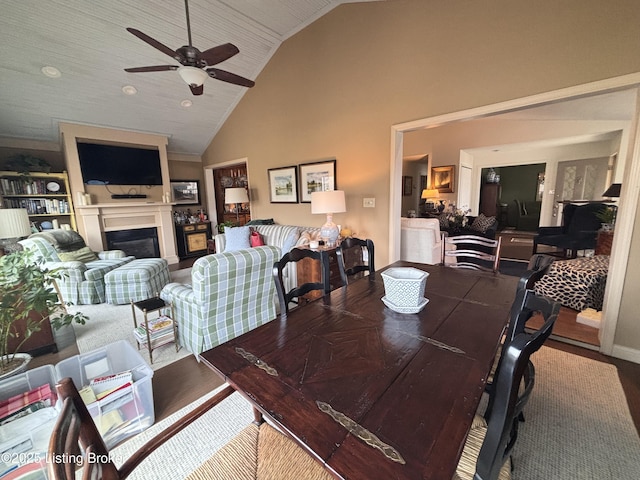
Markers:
point(196, 65)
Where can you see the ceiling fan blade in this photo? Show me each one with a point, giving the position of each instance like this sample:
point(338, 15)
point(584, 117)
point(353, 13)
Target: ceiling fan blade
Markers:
point(155, 44)
point(197, 89)
point(153, 68)
point(230, 77)
point(218, 54)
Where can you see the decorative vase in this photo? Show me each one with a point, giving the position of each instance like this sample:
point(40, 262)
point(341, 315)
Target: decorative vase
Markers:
point(21, 361)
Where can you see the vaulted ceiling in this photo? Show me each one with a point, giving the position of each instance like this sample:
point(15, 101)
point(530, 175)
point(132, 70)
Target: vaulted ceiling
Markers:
point(87, 41)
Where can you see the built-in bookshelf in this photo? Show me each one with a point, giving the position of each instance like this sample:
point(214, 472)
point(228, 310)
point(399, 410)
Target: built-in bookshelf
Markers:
point(45, 196)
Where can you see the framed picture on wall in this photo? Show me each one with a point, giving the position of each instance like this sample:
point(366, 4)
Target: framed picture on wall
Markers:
point(442, 178)
point(185, 192)
point(283, 184)
point(317, 177)
point(407, 185)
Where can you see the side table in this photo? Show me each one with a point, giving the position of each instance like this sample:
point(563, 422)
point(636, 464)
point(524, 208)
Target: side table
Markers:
point(309, 270)
point(154, 304)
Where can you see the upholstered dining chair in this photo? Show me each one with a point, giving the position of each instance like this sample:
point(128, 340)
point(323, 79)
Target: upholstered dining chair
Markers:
point(258, 452)
point(487, 451)
point(295, 294)
point(353, 249)
point(471, 252)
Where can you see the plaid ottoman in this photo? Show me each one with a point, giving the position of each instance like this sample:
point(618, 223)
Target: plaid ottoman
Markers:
point(137, 280)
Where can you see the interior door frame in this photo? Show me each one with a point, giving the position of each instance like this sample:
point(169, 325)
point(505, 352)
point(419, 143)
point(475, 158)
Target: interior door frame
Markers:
point(210, 187)
point(628, 199)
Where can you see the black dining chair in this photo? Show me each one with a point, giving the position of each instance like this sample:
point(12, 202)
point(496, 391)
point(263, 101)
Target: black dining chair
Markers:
point(487, 451)
point(351, 252)
point(295, 294)
point(471, 252)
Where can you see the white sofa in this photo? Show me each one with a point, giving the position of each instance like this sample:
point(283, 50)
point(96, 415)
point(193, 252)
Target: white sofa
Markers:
point(420, 240)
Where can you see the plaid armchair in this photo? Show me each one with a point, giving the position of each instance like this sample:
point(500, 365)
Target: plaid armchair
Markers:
point(83, 280)
point(231, 293)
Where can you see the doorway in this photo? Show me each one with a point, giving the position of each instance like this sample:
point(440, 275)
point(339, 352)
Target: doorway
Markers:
point(625, 88)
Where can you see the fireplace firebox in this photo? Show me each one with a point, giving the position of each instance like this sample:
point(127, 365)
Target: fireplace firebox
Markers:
point(139, 242)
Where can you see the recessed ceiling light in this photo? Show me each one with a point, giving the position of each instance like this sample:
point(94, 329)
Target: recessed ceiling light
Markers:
point(51, 72)
point(129, 90)
point(186, 103)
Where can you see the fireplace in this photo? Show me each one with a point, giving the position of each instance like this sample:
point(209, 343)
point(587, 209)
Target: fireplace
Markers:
point(139, 242)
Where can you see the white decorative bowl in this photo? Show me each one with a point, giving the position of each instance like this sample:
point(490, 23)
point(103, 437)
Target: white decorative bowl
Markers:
point(404, 286)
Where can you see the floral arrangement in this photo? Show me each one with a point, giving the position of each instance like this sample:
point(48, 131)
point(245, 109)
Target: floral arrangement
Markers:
point(457, 216)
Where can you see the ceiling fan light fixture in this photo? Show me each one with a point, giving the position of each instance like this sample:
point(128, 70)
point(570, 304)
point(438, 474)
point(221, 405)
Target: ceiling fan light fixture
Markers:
point(51, 72)
point(129, 90)
point(193, 76)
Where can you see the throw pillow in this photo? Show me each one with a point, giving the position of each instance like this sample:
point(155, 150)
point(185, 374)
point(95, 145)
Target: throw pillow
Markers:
point(290, 242)
point(237, 238)
point(256, 239)
point(84, 255)
point(482, 223)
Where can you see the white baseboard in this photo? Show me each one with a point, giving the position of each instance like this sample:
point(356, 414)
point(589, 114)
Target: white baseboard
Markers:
point(626, 353)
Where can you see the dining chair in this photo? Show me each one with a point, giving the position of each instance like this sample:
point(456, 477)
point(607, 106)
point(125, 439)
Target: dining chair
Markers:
point(526, 305)
point(352, 249)
point(487, 451)
point(295, 295)
point(471, 252)
point(75, 438)
point(537, 268)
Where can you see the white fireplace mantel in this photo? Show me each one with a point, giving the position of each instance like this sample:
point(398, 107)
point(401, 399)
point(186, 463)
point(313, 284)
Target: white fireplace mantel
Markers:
point(109, 217)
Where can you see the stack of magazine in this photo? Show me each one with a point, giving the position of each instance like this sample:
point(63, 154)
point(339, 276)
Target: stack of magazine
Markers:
point(160, 331)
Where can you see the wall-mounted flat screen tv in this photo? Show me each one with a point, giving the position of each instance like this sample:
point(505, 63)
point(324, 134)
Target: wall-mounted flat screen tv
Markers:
point(116, 165)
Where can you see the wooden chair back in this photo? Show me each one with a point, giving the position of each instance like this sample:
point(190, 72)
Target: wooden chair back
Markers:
point(294, 295)
point(75, 437)
point(354, 248)
point(463, 248)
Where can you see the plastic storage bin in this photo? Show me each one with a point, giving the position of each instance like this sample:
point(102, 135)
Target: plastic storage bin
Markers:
point(24, 441)
point(130, 410)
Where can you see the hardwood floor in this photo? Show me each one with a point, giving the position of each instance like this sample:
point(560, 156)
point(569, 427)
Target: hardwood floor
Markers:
point(569, 330)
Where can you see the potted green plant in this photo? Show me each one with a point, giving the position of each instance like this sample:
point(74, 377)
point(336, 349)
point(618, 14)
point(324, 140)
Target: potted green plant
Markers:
point(28, 298)
point(607, 217)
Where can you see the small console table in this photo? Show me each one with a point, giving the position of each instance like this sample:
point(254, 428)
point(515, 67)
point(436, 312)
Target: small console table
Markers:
point(150, 305)
point(192, 238)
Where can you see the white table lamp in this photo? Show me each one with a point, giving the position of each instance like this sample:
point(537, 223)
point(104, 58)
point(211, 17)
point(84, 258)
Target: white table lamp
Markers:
point(14, 225)
point(329, 202)
point(236, 195)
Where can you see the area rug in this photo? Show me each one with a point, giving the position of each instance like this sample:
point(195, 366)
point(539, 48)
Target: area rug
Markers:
point(577, 423)
point(577, 426)
point(191, 447)
point(110, 323)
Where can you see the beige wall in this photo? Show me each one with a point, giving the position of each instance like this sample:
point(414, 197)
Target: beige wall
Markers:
point(335, 88)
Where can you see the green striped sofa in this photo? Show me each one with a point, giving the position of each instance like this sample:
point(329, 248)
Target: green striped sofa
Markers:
point(230, 294)
point(83, 282)
point(285, 237)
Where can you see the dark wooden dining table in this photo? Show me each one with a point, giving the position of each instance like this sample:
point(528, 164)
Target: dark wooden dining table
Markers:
point(371, 393)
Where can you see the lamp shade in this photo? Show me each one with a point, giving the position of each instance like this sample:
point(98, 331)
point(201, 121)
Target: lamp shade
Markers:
point(613, 190)
point(14, 223)
point(192, 75)
point(329, 201)
point(236, 195)
point(429, 193)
